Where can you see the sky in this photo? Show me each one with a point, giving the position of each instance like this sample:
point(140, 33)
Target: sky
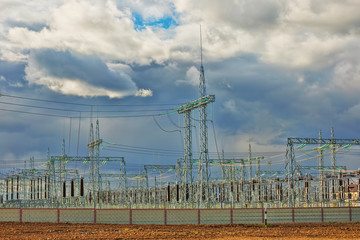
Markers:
point(278, 69)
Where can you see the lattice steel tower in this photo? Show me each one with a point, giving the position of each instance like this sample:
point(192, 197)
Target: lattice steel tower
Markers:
point(94, 183)
point(201, 104)
point(204, 155)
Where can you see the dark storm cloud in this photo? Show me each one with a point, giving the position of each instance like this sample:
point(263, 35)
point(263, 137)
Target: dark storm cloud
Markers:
point(49, 67)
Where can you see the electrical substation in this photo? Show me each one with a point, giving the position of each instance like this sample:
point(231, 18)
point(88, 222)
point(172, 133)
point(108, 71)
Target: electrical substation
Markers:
point(195, 181)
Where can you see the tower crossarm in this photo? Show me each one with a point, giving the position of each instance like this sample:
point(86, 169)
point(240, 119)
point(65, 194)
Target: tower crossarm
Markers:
point(229, 161)
point(325, 168)
point(86, 158)
point(323, 141)
point(95, 143)
point(196, 104)
point(158, 167)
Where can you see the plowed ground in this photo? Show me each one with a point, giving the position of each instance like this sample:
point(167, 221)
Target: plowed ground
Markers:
point(109, 231)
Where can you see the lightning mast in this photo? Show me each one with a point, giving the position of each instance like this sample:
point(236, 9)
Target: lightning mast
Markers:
point(204, 155)
point(201, 104)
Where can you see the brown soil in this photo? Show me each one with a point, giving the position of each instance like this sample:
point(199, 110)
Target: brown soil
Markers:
point(110, 231)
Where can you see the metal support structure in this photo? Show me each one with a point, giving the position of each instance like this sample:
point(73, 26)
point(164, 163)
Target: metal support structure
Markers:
point(290, 168)
point(188, 176)
point(333, 151)
point(94, 165)
point(250, 163)
point(320, 171)
point(201, 104)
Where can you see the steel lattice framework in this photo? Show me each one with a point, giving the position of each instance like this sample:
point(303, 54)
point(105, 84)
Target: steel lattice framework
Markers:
point(290, 163)
point(201, 104)
point(94, 166)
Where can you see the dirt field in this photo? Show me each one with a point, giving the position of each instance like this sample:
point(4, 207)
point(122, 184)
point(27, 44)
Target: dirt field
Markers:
point(105, 231)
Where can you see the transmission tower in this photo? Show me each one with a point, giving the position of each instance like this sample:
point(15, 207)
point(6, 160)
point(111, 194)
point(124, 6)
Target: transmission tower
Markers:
point(188, 176)
point(333, 151)
point(204, 155)
point(320, 171)
point(201, 104)
point(94, 164)
point(250, 163)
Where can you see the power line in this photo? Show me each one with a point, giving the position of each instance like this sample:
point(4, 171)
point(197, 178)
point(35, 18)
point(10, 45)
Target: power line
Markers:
point(139, 152)
point(67, 116)
point(168, 131)
point(89, 105)
point(38, 114)
point(143, 148)
point(43, 100)
point(72, 110)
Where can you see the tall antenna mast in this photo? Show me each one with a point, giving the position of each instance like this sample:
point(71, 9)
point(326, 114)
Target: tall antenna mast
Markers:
point(201, 57)
point(202, 85)
point(204, 168)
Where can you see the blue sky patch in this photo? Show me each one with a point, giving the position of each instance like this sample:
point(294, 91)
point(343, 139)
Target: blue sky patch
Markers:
point(165, 22)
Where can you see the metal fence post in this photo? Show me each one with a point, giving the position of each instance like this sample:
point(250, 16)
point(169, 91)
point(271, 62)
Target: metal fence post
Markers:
point(265, 216)
point(231, 216)
point(94, 215)
point(21, 213)
point(350, 213)
point(58, 215)
point(199, 217)
point(130, 212)
point(322, 214)
point(293, 215)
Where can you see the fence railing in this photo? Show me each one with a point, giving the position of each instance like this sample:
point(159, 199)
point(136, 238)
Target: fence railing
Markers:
point(181, 216)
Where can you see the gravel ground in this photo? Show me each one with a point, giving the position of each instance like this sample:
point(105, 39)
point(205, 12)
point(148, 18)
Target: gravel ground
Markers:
point(10, 230)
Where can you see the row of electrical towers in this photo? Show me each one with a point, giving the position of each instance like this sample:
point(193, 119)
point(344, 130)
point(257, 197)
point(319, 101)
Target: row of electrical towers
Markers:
point(293, 169)
point(233, 190)
point(48, 188)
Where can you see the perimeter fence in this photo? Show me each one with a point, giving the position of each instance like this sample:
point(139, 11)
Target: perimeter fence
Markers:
point(181, 216)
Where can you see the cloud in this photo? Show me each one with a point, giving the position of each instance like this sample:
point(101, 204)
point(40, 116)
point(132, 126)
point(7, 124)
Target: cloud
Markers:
point(278, 68)
point(301, 29)
point(144, 93)
point(291, 34)
point(76, 74)
point(99, 29)
point(292, 48)
point(17, 12)
point(251, 15)
point(148, 9)
point(346, 76)
point(191, 78)
point(314, 14)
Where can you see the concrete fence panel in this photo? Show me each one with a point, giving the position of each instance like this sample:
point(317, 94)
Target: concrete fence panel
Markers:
point(215, 216)
point(279, 215)
point(248, 215)
point(182, 216)
point(355, 214)
point(69, 215)
point(39, 215)
point(303, 215)
point(9, 214)
point(113, 216)
point(341, 214)
point(148, 216)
